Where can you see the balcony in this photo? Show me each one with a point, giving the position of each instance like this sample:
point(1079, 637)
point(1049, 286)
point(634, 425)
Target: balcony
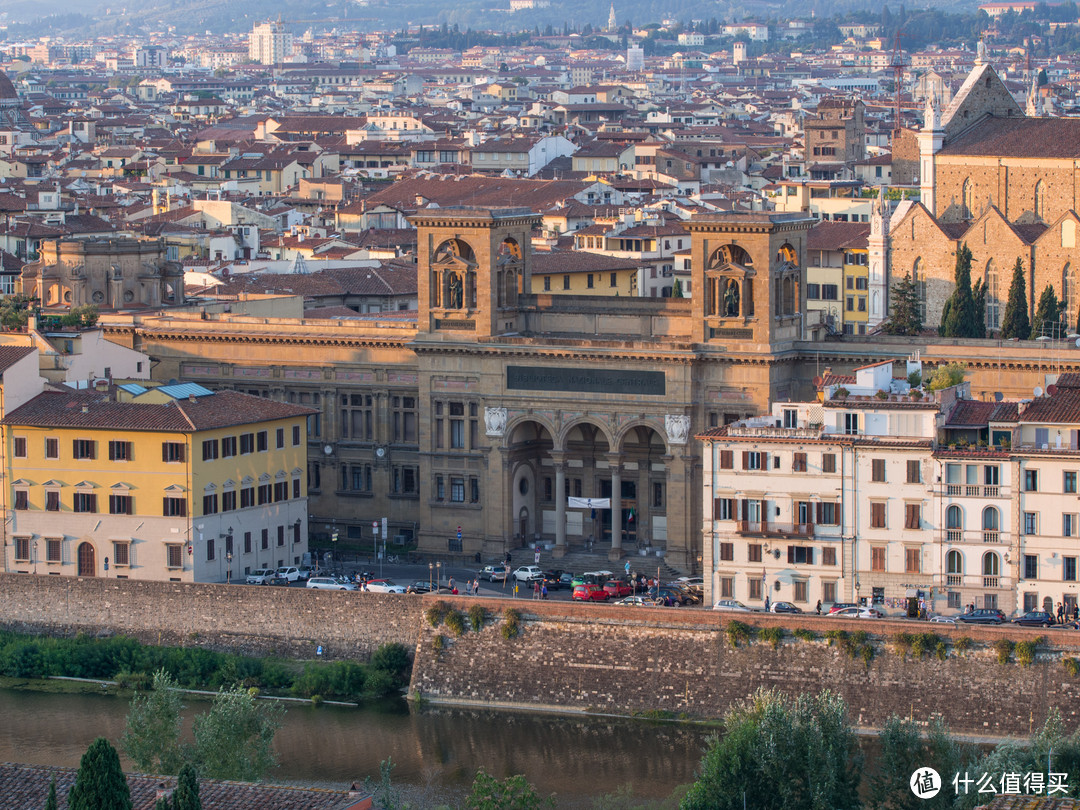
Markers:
point(975, 491)
point(954, 579)
point(758, 528)
point(992, 536)
point(991, 582)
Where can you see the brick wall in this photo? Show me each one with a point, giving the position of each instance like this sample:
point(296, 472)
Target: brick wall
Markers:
point(251, 620)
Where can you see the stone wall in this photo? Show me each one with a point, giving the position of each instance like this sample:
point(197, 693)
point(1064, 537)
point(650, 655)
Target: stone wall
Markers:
point(611, 659)
point(289, 622)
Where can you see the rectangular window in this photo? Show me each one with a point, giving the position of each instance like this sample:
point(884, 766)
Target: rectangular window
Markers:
point(281, 491)
point(589, 281)
point(800, 590)
point(727, 552)
point(260, 441)
point(1069, 568)
point(912, 516)
point(877, 469)
point(566, 282)
point(727, 460)
point(1069, 483)
point(279, 437)
point(1031, 522)
point(813, 291)
point(751, 460)
point(828, 463)
point(828, 514)
point(174, 507)
point(172, 451)
point(1031, 480)
point(912, 560)
point(210, 549)
point(247, 497)
point(209, 449)
point(457, 490)
point(247, 443)
point(247, 542)
point(121, 451)
point(727, 587)
point(84, 502)
point(22, 549)
point(800, 555)
point(828, 592)
point(440, 488)
point(1068, 525)
point(228, 500)
point(175, 556)
point(53, 552)
point(877, 558)
point(755, 587)
point(798, 463)
point(281, 535)
point(120, 504)
point(474, 490)
point(914, 471)
point(828, 556)
point(209, 504)
point(228, 447)
point(1031, 566)
point(20, 447)
point(296, 435)
point(52, 500)
point(52, 448)
point(405, 419)
point(723, 509)
point(851, 423)
point(22, 499)
point(754, 552)
point(264, 539)
point(84, 449)
point(877, 515)
point(121, 553)
point(266, 494)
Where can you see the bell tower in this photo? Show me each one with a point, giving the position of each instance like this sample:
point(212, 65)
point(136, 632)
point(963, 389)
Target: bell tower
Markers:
point(474, 264)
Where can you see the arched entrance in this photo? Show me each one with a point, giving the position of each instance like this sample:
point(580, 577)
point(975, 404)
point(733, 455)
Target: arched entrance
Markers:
point(87, 565)
point(532, 488)
point(587, 466)
point(643, 507)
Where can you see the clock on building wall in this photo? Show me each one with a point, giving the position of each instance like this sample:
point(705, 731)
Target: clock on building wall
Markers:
point(328, 449)
point(380, 452)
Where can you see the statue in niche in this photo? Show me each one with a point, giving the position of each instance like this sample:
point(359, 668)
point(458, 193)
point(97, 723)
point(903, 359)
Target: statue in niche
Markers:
point(455, 291)
point(731, 299)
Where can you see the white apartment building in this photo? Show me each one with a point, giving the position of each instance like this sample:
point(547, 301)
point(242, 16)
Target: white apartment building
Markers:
point(270, 44)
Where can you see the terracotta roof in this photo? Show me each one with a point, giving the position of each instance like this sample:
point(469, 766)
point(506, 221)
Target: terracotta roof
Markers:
point(27, 786)
point(1020, 137)
point(1062, 408)
point(970, 413)
point(578, 261)
point(219, 410)
point(838, 236)
point(10, 355)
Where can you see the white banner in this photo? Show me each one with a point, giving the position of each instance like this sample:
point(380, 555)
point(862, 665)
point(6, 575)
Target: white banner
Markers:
point(589, 503)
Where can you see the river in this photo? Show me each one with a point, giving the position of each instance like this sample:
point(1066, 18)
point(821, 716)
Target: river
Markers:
point(436, 751)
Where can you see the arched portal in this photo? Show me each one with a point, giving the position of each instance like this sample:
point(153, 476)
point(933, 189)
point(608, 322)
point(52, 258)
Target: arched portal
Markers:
point(532, 486)
point(87, 563)
point(588, 462)
point(644, 496)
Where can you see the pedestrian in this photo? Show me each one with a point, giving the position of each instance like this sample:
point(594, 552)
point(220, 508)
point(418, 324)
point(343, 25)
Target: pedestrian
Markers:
point(543, 591)
point(536, 589)
point(1076, 613)
point(476, 587)
point(766, 603)
point(1061, 613)
point(450, 585)
point(818, 609)
point(627, 569)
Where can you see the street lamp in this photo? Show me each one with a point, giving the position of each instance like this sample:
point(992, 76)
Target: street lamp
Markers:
point(35, 556)
point(228, 571)
point(858, 600)
point(438, 575)
point(430, 571)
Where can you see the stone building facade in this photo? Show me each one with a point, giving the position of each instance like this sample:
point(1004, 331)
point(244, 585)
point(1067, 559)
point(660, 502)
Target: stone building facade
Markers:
point(837, 133)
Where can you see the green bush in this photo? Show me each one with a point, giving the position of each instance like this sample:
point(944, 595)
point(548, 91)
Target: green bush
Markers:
point(436, 612)
point(804, 634)
point(477, 617)
point(1004, 649)
point(737, 632)
point(902, 643)
point(1072, 666)
point(773, 635)
point(1025, 651)
point(455, 622)
point(511, 623)
point(923, 644)
point(941, 651)
point(962, 644)
point(438, 643)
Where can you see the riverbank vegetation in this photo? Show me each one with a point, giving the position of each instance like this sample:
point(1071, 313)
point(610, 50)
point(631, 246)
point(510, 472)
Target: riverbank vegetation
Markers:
point(132, 664)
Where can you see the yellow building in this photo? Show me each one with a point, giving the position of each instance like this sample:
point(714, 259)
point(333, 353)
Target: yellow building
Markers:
point(837, 274)
point(582, 273)
point(170, 483)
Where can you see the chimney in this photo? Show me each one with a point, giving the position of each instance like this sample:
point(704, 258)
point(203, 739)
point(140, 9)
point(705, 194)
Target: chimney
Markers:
point(86, 409)
point(1022, 406)
point(191, 398)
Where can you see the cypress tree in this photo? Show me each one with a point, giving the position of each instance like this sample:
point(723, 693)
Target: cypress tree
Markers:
point(1015, 324)
point(978, 293)
point(960, 317)
point(186, 795)
point(1048, 314)
point(906, 317)
point(50, 802)
point(100, 784)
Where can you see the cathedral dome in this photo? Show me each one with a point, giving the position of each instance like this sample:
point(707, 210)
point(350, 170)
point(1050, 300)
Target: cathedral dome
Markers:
point(8, 96)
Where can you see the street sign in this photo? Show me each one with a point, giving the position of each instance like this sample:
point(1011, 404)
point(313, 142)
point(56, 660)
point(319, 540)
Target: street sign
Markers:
point(536, 557)
point(385, 530)
point(458, 532)
point(106, 563)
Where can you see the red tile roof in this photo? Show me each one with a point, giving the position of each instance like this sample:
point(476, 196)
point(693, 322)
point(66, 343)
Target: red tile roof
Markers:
point(1020, 137)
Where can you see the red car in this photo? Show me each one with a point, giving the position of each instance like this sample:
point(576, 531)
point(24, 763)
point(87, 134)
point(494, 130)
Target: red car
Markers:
point(617, 588)
point(588, 592)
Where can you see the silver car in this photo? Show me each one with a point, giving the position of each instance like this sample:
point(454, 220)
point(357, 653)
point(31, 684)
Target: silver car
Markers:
point(329, 584)
point(260, 576)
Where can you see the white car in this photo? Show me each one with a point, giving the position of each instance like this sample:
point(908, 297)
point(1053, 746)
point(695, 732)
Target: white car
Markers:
point(329, 584)
point(858, 613)
point(528, 573)
point(383, 586)
point(305, 573)
point(289, 572)
point(260, 576)
point(732, 605)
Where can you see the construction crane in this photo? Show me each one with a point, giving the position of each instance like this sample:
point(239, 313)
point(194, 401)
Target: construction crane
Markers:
point(898, 66)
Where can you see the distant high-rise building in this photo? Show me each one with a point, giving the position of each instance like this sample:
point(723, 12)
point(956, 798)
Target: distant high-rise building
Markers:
point(635, 58)
point(270, 43)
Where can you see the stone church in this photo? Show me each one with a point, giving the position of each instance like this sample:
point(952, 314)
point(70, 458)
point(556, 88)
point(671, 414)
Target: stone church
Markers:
point(1001, 180)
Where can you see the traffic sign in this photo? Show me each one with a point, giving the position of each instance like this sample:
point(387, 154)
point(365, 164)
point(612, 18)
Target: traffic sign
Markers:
point(458, 532)
point(536, 556)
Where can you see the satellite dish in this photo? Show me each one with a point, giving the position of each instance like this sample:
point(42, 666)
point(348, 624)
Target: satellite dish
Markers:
point(998, 396)
point(1038, 391)
point(1051, 390)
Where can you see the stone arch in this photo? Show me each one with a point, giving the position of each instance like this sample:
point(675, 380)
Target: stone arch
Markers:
point(564, 436)
point(729, 282)
point(966, 195)
point(991, 564)
point(509, 272)
point(529, 444)
point(954, 517)
point(954, 562)
point(787, 255)
point(1039, 206)
point(453, 275)
point(992, 283)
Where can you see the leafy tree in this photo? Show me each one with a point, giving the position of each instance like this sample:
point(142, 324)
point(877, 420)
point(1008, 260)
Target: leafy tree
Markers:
point(85, 316)
point(785, 753)
point(959, 317)
point(1015, 323)
point(512, 793)
point(906, 317)
point(100, 784)
point(50, 802)
point(1048, 314)
point(676, 289)
point(904, 751)
point(152, 734)
point(946, 376)
point(235, 739)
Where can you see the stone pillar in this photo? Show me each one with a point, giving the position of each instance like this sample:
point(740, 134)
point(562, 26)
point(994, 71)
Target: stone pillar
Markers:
point(560, 504)
point(616, 507)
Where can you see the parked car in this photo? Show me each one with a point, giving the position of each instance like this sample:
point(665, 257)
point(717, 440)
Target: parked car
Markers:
point(383, 586)
point(305, 573)
point(329, 584)
point(693, 582)
point(838, 606)
point(553, 580)
point(424, 586)
point(289, 573)
point(593, 577)
point(667, 595)
point(690, 596)
point(983, 616)
point(943, 619)
point(618, 588)
point(732, 605)
point(566, 580)
point(260, 576)
point(589, 592)
point(1035, 618)
point(636, 601)
point(528, 573)
point(493, 573)
point(279, 579)
point(856, 612)
point(785, 607)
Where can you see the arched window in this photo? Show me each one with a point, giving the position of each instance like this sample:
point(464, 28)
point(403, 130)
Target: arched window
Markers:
point(991, 519)
point(954, 517)
point(991, 564)
point(955, 562)
point(918, 277)
point(965, 195)
point(993, 302)
point(1070, 295)
point(1040, 199)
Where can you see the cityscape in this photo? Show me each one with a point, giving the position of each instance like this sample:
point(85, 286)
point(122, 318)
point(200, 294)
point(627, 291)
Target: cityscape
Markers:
point(717, 370)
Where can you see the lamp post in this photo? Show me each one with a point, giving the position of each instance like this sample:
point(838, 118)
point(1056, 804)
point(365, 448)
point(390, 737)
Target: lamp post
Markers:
point(228, 571)
point(438, 574)
point(858, 600)
point(430, 571)
point(35, 556)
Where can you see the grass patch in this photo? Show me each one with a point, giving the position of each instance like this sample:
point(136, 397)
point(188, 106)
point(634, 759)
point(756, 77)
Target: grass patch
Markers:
point(924, 644)
point(511, 627)
point(438, 644)
point(436, 613)
point(1072, 666)
point(941, 651)
point(804, 634)
point(962, 644)
point(737, 632)
point(773, 635)
point(1004, 649)
point(655, 714)
point(902, 643)
point(856, 645)
point(1026, 650)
